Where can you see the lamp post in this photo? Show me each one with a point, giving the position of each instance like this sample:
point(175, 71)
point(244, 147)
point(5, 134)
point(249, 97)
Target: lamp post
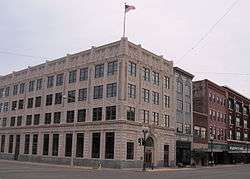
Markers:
point(73, 135)
point(145, 130)
point(212, 153)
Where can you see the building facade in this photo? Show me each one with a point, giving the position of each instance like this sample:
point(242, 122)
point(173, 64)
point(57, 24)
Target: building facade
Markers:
point(90, 108)
point(184, 116)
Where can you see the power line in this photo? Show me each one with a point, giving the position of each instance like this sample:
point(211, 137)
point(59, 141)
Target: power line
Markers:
point(22, 55)
point(221, 73)
point(208, 32)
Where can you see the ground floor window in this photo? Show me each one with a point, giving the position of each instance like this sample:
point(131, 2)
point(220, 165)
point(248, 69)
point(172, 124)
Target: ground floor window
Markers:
point(45, 144)
point(130, 150)
point(34, 144)
point(27, 144)
point(79, 145)
point(68, 145)
point(109, 145)
point(55, 145)
point(2, 143)
point(96, 145)
point(11, 139)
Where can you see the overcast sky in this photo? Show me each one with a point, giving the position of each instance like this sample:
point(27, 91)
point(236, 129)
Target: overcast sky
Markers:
point(52, 28)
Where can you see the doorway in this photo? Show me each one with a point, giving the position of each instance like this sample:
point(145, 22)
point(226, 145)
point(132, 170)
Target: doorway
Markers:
point(149, 152)
point(17, 148)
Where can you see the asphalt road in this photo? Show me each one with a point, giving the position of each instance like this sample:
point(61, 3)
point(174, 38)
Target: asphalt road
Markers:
point(19, 170)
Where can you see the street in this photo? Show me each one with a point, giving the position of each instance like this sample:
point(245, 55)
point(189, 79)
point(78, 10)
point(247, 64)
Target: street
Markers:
point(19, 170)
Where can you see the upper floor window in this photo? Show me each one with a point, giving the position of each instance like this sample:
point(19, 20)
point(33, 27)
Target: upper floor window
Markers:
point(166, 101)
point(146, 74)
point(59, 79)
point(188, 90)
point(132, 69)
point(49, 99)
point(31, 85)
point(188, 107)
point(237, 121)
point(166, 82)
point(38, 101)
point(81, 115)
point(28, 120)
point(179, 105)
point(82, 96)
point(99, 70)
point(71, 96)
point(245, 124)
point(131, 91)
point(131, 113)
point(155, 78)
point(110, 112)
point(22, 88)
point(70, 116)
point(146, 95)
point(111, 90)
point(155, 118)
point(179, 87)
point(72, 76)
point(1, 92)
point(166, 120)
point(98, 92)
point(83, 74)
point(7, 91)
point(39, 84)
point(97, 114)
point(179, 127)
point(155, 98)
point(30, 103)
point(50, 81)
point(244, 110)
point(237, 107)
point(112, 67)
point(146, 116)
point(237, 135)
point(58, 98)
point(15, 90)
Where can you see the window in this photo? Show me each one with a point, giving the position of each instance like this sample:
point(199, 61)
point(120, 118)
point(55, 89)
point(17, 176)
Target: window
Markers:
point(47, 119)
point(166, 101)
point(111, 90)
point(39, 84)
point(71, 96)
point(4, 122)
point(49, 99)
point(109, 145)
point(28, 120)
point(27, 144)
point(99, 70)
point(30, 103)
point(155, 78)
point(38, 101)
point(81, 115)
point(14, 105)
point(98, 92)
point(179, 105)
point(20, 104)
point(6, 107)
point(237, 107)
point(70, 116)
point(145, 116)
point(31, 86)
point(11, 140)
point(179, 87)
point(179, 127)
point(155, 97)
point(45, 144)
point(245, 123)
point(59, 79)
point(79, 145)
point(112, 68)
point(82, 96)
point(131, 114)
point(146, 95)
point(245, 136)
point(166, 82)
point(203, 133)
point(230, 134)
point(34, 144)
point(12, 121)
point(110, 112)
point(146, 74)
point(68, 145)
point(72, 76)
point(155, 118)
point(36, 119)
point(237, 121)
point(57, 117)
point(83, 74)
point(130, 150)
point(2, 143)
point(187, 128)
point(132, 69)
point(188, 90)
point(1, 92)
point(15, 90)
point(50, 81)
point(166, 120)
point(97, 114)
point(22, 88)
point(237, 135)
point(7, 91)
point(96, 145)
point(131, 91)
point(55, 144)
point(1, 107)
point(19, 120)
point(188, 107)
point(58, 98)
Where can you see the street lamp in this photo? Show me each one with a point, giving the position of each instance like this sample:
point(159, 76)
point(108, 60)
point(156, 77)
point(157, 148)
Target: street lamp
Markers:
point(145, 130)
point(212, 153)
point(73, 136)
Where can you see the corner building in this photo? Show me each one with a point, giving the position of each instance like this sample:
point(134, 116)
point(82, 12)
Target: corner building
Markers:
point(91, 105)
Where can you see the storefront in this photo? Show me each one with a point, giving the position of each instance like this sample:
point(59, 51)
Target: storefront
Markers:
point(219, 151)
point(239, 152)
point(183, 152)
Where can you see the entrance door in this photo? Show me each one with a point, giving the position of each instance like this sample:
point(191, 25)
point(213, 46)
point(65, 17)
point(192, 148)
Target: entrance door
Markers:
point(17, 148)
point(166, 156)
point(148, 156)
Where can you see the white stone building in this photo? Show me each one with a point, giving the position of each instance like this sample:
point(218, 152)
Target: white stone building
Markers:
point(91, 105)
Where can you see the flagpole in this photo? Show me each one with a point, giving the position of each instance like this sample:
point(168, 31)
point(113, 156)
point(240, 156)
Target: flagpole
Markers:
point(124, 21)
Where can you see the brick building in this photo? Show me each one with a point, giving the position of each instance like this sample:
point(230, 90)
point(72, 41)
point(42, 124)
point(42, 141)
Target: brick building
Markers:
point(91, 107)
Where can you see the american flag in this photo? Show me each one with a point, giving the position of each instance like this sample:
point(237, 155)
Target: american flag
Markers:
point(128, 8)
